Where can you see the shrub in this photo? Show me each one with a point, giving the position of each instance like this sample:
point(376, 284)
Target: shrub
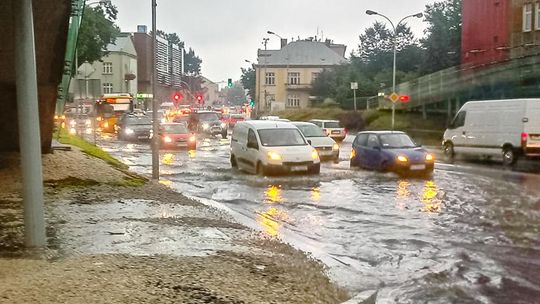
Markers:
point(351, 120)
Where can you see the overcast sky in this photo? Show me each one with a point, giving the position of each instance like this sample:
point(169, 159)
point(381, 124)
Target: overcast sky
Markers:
point(225, 33)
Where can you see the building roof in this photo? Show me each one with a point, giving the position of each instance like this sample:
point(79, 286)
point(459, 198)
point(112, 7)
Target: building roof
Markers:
point(122, 44)
point(302, 53)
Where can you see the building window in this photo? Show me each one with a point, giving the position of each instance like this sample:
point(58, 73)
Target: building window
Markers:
point(314, 76)
point(107, 88)
point(537, 16)
point(107, 68)
point(293, 101)
point(294, 78)
point(270, 78)
point(527, 17)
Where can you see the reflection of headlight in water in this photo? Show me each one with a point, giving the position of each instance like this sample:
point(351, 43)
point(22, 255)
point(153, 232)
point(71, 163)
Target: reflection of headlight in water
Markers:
point(72, 131)
point(129, 131)
point(205, 126)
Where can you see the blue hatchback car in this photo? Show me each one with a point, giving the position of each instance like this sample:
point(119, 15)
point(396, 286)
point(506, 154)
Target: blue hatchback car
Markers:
point(390, 151)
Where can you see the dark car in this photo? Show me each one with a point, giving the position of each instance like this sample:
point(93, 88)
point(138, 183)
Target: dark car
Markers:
point(207, 122)
point(390, 151)
point(134, 127)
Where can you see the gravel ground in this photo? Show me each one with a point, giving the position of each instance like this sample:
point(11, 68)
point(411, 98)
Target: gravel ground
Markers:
point(256, 269)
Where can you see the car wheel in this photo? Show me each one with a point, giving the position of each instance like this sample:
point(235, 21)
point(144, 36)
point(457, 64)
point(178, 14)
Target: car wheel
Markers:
point(448, 151)
point(261, 170)
point(509, 156)
point(316, 169)
point(234, 164)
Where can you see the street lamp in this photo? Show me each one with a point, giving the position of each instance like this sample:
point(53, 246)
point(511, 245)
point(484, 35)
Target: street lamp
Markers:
point(272, 33)
point(394, 43)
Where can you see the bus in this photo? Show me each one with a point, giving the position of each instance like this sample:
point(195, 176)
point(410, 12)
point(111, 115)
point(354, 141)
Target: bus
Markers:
point(110, 107)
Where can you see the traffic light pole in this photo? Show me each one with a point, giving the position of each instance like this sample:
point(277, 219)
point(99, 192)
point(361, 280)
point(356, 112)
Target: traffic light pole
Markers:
point(155, 106)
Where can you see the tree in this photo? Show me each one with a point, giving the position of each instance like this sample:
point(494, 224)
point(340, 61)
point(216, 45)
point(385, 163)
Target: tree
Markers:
point(443, 35)
point(96, 32)
point(192, 64)
point(249, 81)
point(235, 95)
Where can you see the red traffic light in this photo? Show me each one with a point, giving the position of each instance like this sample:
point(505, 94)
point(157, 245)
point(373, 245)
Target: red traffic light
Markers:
point(199, 98)
point(404, 98)
point(177, 97)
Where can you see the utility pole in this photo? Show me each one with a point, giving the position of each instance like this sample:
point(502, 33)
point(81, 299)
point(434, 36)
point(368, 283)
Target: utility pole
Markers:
point(263, 78)
point(155, 122)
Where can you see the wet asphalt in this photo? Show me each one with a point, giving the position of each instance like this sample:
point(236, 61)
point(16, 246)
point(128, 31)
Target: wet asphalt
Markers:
point(468, 234)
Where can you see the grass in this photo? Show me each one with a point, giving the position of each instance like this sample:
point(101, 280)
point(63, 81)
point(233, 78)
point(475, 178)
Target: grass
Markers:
point(90, 149)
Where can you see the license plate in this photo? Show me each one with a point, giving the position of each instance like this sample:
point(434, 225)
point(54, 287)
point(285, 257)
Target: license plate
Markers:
point(535, 137)
point(418, 167)
point(141, 137)
point(336, 132)
point(298, 168)
point(325, 153)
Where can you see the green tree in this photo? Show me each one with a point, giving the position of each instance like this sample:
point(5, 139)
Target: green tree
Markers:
point(192, 64)
point(235, 95)
point(248, 81)
point(97, 31)
point(443, 35)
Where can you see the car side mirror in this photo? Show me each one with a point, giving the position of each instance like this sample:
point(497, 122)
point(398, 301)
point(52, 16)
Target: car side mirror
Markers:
point(253, 145)
point(309, 141)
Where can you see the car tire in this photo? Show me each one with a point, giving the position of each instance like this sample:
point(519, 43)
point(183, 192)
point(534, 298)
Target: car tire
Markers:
point(509, 156)
point(234, 164)
point(353, 164)
point(261, 169)
point(448, 151)
point(315, 169)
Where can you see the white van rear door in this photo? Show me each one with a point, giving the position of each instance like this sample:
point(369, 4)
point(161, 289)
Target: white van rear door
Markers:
point(532, 124)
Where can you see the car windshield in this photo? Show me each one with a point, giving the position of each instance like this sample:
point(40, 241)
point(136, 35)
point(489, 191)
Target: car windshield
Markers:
point(396, 141)
point(175, 129)
point(311, 131)
point(138, 120)
point(281, 137)
point(332, 125)
point(208, 116)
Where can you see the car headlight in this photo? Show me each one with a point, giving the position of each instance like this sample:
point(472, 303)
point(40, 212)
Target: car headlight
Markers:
point(335, 147)
point(353, 153)
point(205, 126)
point(402, 159)
point(192, 138)
point(274, 156)
point(129, 131)
point(223, 125)
point(167, 139)
point(106, 125)
point(430, 157)
point(314, 155)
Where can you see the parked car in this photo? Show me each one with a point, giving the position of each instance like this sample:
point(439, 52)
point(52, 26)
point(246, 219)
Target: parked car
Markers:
point(175, 135)
point(510, 128)
point(332, 128)
point(325, 146)
point(134, 127)
point(235, 118)
point(272, 147)
point(207, 122)
point(390, 151)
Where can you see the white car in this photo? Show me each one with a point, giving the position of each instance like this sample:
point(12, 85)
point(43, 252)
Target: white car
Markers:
point(510, 128)
point(332, 128)
point(272, 147)
point(326, 146)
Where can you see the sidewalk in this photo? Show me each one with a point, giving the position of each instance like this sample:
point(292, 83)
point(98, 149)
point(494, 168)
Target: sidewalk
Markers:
point(112, 240)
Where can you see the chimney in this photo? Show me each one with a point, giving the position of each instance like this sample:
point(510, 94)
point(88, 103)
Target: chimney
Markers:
point(283, 42)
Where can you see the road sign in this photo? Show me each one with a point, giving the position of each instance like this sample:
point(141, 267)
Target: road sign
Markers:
point(144, 95)
point(394, 97)
point(354, 85)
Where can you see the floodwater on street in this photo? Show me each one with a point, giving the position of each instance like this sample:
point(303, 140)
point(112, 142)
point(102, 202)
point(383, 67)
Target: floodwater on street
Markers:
point(466, 235)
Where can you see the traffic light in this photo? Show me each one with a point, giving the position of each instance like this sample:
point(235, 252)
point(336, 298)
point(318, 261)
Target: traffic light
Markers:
point(200, 98)
point(252, 103)
point(404, 98)
point(177, 97)
point(229, 83)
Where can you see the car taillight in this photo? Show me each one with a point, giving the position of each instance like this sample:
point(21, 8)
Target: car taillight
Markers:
point(346, 131)
point(524, 137)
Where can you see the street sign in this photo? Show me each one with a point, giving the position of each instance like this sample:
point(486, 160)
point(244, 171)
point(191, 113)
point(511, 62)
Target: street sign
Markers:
point(394, 97)
point(354, 85)
point(144, 95)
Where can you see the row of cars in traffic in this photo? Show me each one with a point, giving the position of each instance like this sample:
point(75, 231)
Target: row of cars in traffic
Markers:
point(268, 147)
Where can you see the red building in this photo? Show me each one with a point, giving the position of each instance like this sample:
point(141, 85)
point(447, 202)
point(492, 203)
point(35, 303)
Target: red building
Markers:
point(486, 31)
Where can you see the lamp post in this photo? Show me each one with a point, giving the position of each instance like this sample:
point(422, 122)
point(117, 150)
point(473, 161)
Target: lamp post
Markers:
point(155, 106)
point(394, 44)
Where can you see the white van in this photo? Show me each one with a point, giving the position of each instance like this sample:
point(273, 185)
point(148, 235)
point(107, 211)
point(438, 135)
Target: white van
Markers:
point(271, 147)
point(510, 128)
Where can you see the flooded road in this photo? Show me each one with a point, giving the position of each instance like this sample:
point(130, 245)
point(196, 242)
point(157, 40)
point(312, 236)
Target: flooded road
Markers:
point(469, 234)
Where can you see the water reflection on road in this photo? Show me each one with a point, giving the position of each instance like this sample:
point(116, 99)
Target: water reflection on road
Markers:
point(457, 237)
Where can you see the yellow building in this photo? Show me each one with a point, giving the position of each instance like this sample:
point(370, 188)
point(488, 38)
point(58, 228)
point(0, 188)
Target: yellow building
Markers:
point(284, 77)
